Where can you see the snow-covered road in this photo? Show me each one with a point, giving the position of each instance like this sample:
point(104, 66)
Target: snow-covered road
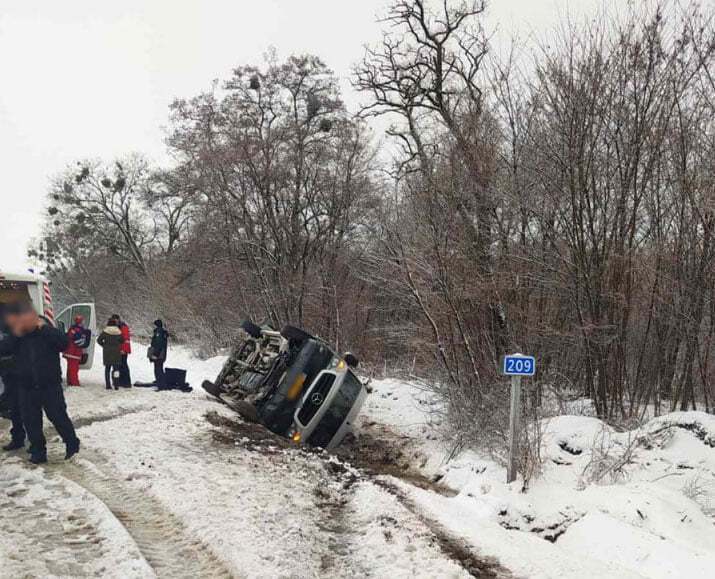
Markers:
point(158, 491)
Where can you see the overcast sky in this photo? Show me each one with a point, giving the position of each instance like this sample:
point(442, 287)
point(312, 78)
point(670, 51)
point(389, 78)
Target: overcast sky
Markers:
point(81, 78)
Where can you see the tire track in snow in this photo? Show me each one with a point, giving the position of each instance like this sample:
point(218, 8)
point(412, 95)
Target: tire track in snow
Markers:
point(161, 537)
point(344, 470)
point(84, 421)
point(67, 544)
point(456, 549)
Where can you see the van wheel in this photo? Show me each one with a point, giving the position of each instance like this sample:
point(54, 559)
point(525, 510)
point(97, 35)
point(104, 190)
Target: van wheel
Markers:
point(291, 333)
point(251, 329)
point(351, 360)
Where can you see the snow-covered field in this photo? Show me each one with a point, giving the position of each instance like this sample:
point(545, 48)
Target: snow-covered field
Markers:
point(159, 491)
point(607, 504)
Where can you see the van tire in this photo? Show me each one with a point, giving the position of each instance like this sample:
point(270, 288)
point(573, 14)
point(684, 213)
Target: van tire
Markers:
point(246, 410)
point(251, 329)
point(351, 360)
point(292, 333)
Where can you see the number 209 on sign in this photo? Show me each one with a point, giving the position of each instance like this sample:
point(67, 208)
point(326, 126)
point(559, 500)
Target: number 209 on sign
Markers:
point(519, 366)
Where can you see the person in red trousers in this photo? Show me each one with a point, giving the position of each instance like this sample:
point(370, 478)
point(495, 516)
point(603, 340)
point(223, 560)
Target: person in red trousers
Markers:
point(78, 341)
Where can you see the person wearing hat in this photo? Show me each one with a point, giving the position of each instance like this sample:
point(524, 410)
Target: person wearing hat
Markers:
point(36, 346)
point(111, 341)
point(158, 351)
point(78, 338)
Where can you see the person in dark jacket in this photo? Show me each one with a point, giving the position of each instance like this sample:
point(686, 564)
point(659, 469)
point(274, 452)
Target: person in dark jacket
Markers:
point(11, 394)
point(158, 350)
point(111, 341)
point(125, 376)
point(36, 346)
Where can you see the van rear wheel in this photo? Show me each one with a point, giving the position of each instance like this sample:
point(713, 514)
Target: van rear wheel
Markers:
point(251, 329)
point(292, 333)
point(351, 360)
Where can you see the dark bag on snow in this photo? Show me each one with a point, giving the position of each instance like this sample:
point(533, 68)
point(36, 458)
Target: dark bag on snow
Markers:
point(174, 378)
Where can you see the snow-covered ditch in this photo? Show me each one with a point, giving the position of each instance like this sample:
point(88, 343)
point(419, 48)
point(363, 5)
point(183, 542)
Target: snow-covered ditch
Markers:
point(638, 503)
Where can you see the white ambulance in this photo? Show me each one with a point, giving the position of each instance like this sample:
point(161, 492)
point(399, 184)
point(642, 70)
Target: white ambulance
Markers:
point(14, 287)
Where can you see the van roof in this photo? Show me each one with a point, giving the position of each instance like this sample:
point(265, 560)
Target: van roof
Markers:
point(21, 277)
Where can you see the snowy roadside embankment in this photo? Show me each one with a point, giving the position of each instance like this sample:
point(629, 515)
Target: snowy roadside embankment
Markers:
point(607, 504)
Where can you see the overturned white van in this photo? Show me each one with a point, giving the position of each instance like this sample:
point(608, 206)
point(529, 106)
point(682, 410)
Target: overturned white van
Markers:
point(15, 287)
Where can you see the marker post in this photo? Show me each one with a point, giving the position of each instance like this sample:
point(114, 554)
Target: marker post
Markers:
point(516, 366)
point(514, 415)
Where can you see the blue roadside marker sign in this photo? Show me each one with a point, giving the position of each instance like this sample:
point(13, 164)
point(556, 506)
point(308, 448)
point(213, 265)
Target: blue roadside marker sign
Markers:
point(518, 365)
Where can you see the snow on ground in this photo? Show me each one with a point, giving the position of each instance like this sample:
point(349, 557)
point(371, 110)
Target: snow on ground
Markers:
point(607, 504)
point(159, 491)
point(154, 491)
point(50, 527)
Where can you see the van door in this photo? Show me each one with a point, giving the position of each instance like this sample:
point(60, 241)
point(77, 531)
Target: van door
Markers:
point(87, 311)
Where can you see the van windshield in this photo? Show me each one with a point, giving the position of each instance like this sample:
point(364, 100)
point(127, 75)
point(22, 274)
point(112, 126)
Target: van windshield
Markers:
point(339, 410)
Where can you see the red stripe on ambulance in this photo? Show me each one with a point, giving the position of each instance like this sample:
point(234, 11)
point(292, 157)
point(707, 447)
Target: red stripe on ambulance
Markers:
point(49, 309)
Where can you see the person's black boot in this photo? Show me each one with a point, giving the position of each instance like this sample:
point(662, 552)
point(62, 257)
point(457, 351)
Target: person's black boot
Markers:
point(14, 445)
point(72, 449)
point(38, 457)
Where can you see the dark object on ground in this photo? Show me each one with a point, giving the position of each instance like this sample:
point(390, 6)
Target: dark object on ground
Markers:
point(174, 379)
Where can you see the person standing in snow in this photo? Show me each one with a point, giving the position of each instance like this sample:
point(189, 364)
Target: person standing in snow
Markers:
point(158, 351)
point(125, 379)
point(36, 347)
point(111, 341)
point(11, 394)
point(78, 337)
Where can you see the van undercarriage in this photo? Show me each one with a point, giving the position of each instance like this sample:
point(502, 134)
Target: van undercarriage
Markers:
point(291, 382)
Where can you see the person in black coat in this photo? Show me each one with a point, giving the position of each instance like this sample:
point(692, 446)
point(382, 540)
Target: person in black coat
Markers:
point(36, 346)
point(111, 341)
point(11, 395)
point(158, 351)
